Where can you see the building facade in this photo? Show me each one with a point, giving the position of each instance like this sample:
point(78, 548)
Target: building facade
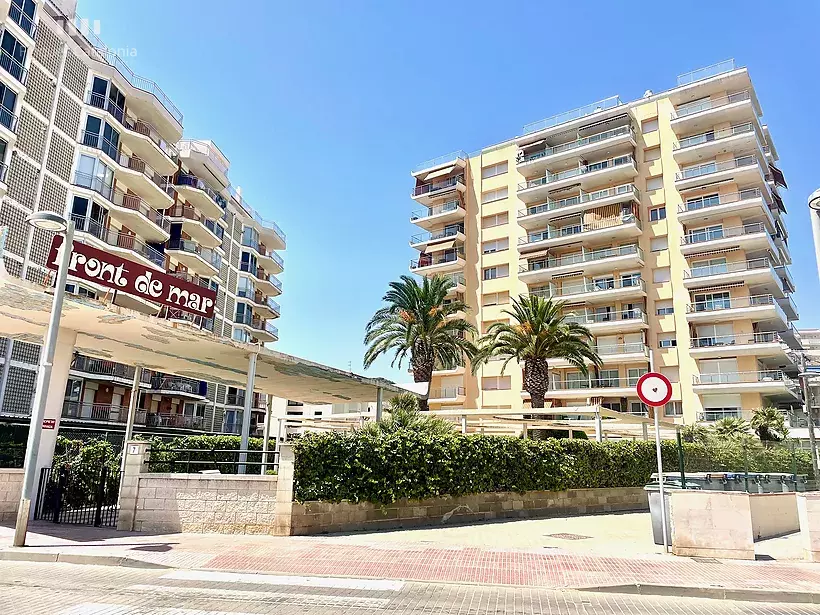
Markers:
point(659, 222)
point(83, 136)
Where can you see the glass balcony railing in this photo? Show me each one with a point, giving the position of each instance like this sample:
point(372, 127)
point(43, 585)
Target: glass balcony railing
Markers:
point(729, 303)
point(457, 279)
point(601, 165)
point(741, 339)
point(723, 268)
point(574, 114)
point(446, 393)
point(713, 103)
point(13, 66)
point(763, 376)
point(192, 181)
point(584, 197)
point(450, 182)
point(704, 202)
point(7, 118)
point(593, 318)
point(427, 237)
point(591, 382)
point(713, 234)
point(627, 348)
point(436, 210)
point(578, 143)
point(113, 237)
point(716, 167)
point(262, 250)
point(714, 135)
point(706, 72)
point(428, 260)
point(578, 288)
point(581, 257)
point(576, 229)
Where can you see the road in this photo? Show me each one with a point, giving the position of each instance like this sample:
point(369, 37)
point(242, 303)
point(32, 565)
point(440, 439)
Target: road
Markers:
point(69, 589)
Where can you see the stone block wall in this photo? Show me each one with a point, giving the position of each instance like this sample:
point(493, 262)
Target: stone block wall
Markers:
point(711, 524)
point(11, 486)
point(323, 517)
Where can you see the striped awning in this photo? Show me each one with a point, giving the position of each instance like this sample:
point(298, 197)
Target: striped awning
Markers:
point(538, 254)
point(440, 173)
point(720, 287)
point(712, 252)
point(533, 144)
point(571, 274)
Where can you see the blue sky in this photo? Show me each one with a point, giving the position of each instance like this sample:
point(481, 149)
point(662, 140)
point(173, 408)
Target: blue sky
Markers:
point(323, 109)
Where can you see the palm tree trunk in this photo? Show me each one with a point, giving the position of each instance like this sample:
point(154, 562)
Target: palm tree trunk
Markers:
point(536, 383)
point(423, 373)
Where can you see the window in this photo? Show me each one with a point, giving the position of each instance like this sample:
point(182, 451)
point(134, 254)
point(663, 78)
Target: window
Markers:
point(702, 201)
point(22, 11)
point(633, 374)
point(493, 170)
point(652, 154)
point(630, 279)
point(8, 101)
point(501, 271)
point(15, 59)
point(496, 383)
point(495, 298)
point(706, 233)
point(497, 245)
point(638, 408)
point(650, 125)
point(654, 183)
point(711, 266)
point(672, 372)
point(248, 263)
point(494, 195)
point(661, 275)
point(667, 341)
point(495, 220)
point(657, 213)
point(716, 407)
point(658, 244)
point(664, 308)
point(608, 378)
point(673, 408)
point(712, 301)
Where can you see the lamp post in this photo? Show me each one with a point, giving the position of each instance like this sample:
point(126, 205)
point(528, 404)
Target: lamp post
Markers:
point(804, 376)
point(55, 223)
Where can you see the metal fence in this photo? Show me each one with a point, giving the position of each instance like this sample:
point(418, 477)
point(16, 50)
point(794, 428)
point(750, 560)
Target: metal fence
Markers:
point(224, 461)
point(78, 496)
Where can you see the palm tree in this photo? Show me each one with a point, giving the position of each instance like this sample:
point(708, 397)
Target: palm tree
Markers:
point(731, 427)
point(539, 333)
point(417, 321)
point(694, 432)
point(403, 415)
point(769, 425)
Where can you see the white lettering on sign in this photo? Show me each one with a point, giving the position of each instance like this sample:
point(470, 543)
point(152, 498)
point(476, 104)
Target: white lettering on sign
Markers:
point(95, 268)
point(145, 284)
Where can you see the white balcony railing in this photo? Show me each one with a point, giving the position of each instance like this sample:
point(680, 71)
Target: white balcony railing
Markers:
point(581, 257)
point(584, 197)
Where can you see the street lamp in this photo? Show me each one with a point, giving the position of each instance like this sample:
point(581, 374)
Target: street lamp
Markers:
point(55, 223)
point(804, 376)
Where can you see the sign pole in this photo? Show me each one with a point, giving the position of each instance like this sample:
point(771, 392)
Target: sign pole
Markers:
point(660, 477)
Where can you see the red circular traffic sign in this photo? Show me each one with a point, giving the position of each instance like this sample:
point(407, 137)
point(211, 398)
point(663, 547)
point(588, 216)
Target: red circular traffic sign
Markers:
point(654, 389)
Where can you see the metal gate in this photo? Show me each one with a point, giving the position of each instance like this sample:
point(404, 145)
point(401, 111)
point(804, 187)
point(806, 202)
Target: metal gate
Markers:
point(68, 495)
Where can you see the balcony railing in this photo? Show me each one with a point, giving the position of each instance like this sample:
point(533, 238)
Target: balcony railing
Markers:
point(113, 237)
point(101, 367)
point(592, 318)
point(177, 384)
point(716, 167)
point(267, 224)
point(589, 287)
point(446, 393)
point(710, 416)
point(121, 199)
point(713, 135)
point(427, 237)
point(94, 412)
point(22, 19)
point(575, 229)
point(763, 376)
point(627, 348)
point(7, 118)
point(706, 72)
point(254, 322)
point(719, 269)
point(714, 103)
point(450, 182)
point(741, 339)
point(428, 260)
point(704, 202)
point(273, 306)
point(168, 419)
point(729, 303)
point(192, 181)
point(583, 197)
point(13, 67)
point(572, 145)
point(575, 172)
point(192, 247)
point(436, 210)
point(703, 235)
point(260, 248)
point(581, 257)
point(235, 399)
point(456, 278)
point(136, 164)
point(574, 114)
point(439, 160)
point(591, 382)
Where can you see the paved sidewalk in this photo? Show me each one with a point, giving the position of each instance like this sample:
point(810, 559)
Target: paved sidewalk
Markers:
point(370, 556)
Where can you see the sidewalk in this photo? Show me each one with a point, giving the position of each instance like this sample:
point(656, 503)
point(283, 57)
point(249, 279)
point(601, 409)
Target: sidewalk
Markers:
point(372, 556)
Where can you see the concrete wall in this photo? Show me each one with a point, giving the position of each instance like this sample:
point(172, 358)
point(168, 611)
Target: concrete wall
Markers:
point(808, 511)
point(712, 524)
point(322, 517)
point(773, 514)
point(11, 485)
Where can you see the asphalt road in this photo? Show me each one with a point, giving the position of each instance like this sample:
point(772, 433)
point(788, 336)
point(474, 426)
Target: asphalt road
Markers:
point(69, 589)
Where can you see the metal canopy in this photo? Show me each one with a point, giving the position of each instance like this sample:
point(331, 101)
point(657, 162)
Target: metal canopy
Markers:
point(118, 334)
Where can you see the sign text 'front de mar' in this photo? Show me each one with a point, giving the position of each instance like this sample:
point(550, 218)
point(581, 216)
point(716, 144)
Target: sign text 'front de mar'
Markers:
point(112, 271)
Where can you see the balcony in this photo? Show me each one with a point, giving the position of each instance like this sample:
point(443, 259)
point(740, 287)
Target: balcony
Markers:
point(269, 232)
point(170, 419)
point(606, 322)
point(196, 225)
point(442, 262)
point(139, 136)
point(202, 261)
point(536, 215)
point(8, 124)
point(453, 159)
point(13, 67)
point(22, 19)
point(174, 386)
point(538, 161)
point(427, 193)
point(588, 261)
point(759, 308)
point(128, 209)
point(772, 383)
point(586, 177)
point(447, 395)
point(259, 328)
point(786, 303)
point(701, 114)
point(757, 272)
point(613, 354)
point(459, 283)
point(110, 239)
point(594, 291)
point(739, 139)
point(105, 413)
point(262, 304)
point(751, 236)
point(435, 240)
point(184, 317)
point(200, 195)
point(618, 228)
point(745, 170)
point(235, 399)
point(204, 159)
point(438, 370)
point(590, 386)
point(715, 207)
point(269, 259)
point(436, 215)
point(101, 369)
point(764, 344)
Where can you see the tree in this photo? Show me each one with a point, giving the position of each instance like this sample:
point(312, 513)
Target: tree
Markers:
point(694, 432)
point(539, 332)
point(417, 321)
point(731, 427)
point(770, 425)
point(402, 414)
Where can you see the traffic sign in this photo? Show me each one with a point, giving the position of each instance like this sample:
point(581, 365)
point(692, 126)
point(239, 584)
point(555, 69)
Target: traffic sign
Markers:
point(49, 423)
point(654, 389)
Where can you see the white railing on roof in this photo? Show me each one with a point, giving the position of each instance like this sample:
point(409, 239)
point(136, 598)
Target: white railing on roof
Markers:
point(706, 72)
point(255, 214)
point(434, 162)
point(574, 114)
point(206, 148)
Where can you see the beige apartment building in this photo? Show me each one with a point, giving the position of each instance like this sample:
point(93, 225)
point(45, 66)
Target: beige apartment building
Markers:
point(661, 225)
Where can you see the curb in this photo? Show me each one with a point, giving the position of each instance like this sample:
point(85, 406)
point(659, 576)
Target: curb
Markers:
point(714, 593)
point(77, 558)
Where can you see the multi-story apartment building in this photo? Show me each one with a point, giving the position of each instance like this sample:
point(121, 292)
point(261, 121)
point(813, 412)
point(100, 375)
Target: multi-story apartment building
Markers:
point(660, 223)
point(83, 136)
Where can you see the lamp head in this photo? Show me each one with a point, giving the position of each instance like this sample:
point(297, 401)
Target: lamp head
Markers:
point(814, 200)
point(48, 221)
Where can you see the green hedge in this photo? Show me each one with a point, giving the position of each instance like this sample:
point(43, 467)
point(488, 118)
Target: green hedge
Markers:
point(162, 456)
point(383, 468)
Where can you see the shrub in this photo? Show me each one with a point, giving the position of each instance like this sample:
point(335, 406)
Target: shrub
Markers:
point(163, 454)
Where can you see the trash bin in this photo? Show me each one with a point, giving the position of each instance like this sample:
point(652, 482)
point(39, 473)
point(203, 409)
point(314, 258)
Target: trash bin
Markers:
point(653, 491)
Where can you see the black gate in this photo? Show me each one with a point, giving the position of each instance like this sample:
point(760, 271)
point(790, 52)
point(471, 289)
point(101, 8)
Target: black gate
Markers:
point(84, 497)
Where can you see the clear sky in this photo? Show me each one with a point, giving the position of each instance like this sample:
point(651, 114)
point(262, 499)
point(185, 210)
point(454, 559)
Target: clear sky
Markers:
point(323, 109)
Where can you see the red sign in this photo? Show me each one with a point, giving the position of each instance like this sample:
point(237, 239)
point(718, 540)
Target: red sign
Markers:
point(654, 389)
point(49, 423)
point(112, 271)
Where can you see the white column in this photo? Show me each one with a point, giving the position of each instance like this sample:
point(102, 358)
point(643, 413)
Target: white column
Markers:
point(464, 424)
point(266, 433)
point(246, 415)
point(379, 404)
point(598, 427)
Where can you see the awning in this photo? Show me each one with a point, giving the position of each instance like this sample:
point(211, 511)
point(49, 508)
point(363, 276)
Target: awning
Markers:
point(538, 254)
point(440, 172)
point(712, 252)
point(720, 287)
point(601, 123)
point(533, 144)
point(571, 274)
point(444, 245)
point(778, 176)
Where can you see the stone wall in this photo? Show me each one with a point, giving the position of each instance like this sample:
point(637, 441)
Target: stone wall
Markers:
point(323, 517)
point(711, 524)
point(11, 486)
point(773, 514)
